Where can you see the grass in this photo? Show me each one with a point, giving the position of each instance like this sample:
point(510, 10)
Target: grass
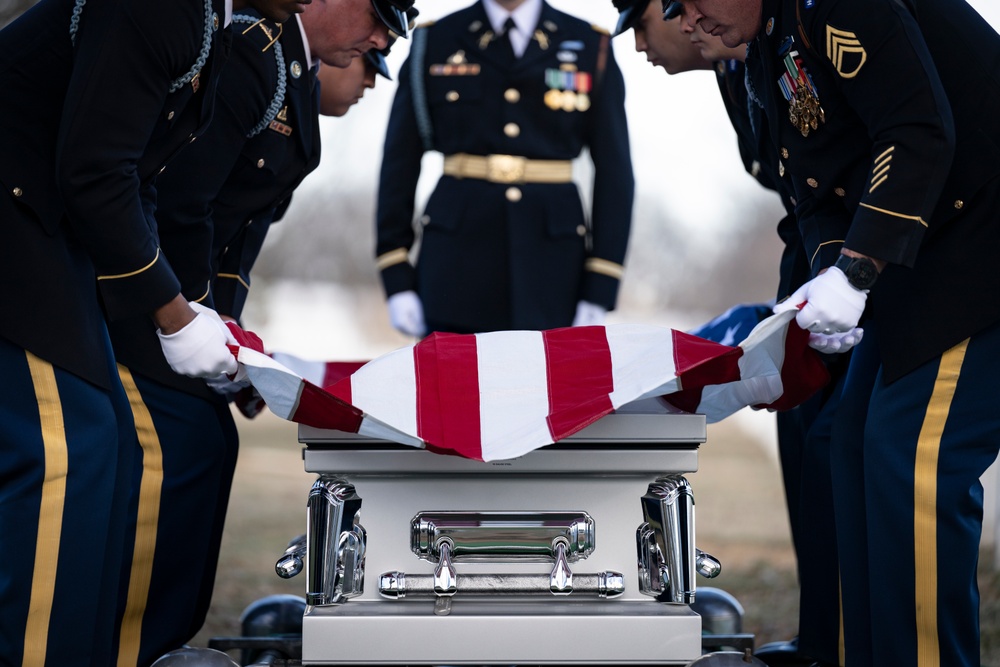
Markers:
point(740, 510)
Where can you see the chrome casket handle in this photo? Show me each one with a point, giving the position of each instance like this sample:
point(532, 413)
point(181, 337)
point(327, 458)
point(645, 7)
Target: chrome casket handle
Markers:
point(502, 536)
point(399, 585)
point(667, 557)
point(291, 562)
point(335, 542)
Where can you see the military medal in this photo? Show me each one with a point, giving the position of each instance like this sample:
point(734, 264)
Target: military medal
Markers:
point(569, 89)
point(569, 100)
point(797, 87)
point(457, 65)
point(553, 99)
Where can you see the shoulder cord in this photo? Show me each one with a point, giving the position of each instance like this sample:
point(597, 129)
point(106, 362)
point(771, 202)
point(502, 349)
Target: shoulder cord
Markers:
point(417, 52)
point(279, 90)
point(206, 44)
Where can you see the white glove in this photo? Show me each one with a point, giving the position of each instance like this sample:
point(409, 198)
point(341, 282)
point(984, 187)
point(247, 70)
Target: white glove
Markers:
point(833, 305)
point(199, 349)
point(406, 313)
point(589, 314)
point(222, 385)
point(838, 342)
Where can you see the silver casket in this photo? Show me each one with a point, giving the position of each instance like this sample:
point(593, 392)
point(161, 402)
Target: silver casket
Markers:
point(580, 552)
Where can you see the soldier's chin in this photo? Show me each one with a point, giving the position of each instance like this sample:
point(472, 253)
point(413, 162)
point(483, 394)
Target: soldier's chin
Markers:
point(339, 59)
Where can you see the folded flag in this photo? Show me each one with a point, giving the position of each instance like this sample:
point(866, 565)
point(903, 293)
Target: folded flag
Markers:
point(502, 394)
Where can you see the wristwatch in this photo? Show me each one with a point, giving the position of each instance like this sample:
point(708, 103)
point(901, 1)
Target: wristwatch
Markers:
point(860, 271)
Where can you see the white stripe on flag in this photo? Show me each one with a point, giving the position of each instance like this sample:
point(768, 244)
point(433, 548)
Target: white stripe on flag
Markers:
point(314, 371)
point(279, 385)
point(387, 389)
point(643, 361)
point(373, 428)
point(514, 401)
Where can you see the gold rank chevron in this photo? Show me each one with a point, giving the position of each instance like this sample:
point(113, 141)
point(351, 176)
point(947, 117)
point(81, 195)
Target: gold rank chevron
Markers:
point(840, 46)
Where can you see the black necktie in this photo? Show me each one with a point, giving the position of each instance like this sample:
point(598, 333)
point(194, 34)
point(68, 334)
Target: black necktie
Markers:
point(506, 47)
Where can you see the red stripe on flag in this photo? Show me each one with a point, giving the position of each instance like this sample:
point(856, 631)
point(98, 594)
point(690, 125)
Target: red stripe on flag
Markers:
point(338, 370)
point(244, 339)
point(447, 371)
point(337, 379)
point(580, 378)
point(687, 400)
point(341, 390)
point(324, 410)
point(699, 362)
point(803, 372)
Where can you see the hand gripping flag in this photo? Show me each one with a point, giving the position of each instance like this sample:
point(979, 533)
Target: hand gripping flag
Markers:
point(502, 394)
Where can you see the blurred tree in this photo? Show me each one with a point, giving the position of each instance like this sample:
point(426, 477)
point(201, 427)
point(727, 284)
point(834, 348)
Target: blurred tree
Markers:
point(327, 236)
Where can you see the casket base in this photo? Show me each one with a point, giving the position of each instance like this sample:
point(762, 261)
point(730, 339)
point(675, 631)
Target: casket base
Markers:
point(481, 632)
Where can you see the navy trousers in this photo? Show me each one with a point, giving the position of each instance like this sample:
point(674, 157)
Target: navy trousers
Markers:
point(811, 513)
point(63, 497)
point(187, 448)
point(906, 461)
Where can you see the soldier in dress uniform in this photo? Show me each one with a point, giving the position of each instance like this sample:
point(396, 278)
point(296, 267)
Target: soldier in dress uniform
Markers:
point(216, 202)
point(97, 97)
point(510, 91)
point(803, 432)
point(884, 115)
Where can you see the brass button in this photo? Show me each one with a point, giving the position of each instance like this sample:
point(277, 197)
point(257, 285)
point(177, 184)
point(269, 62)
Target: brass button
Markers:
point(425, 220)
point(840, 192)
point(215, 21)
point(784, 152)
point(812, 182)
point(581, 230)
point(511, 130)
point(260, 163)
point(17, 192)
point(513, 194)
point(170, 115)
point(959, 204)
point(512, 95)
point(452, 96)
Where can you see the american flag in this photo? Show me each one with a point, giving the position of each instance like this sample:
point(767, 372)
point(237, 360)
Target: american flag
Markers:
point(499, 395)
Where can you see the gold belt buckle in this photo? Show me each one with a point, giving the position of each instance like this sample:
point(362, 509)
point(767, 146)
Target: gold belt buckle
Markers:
point(505, 168)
